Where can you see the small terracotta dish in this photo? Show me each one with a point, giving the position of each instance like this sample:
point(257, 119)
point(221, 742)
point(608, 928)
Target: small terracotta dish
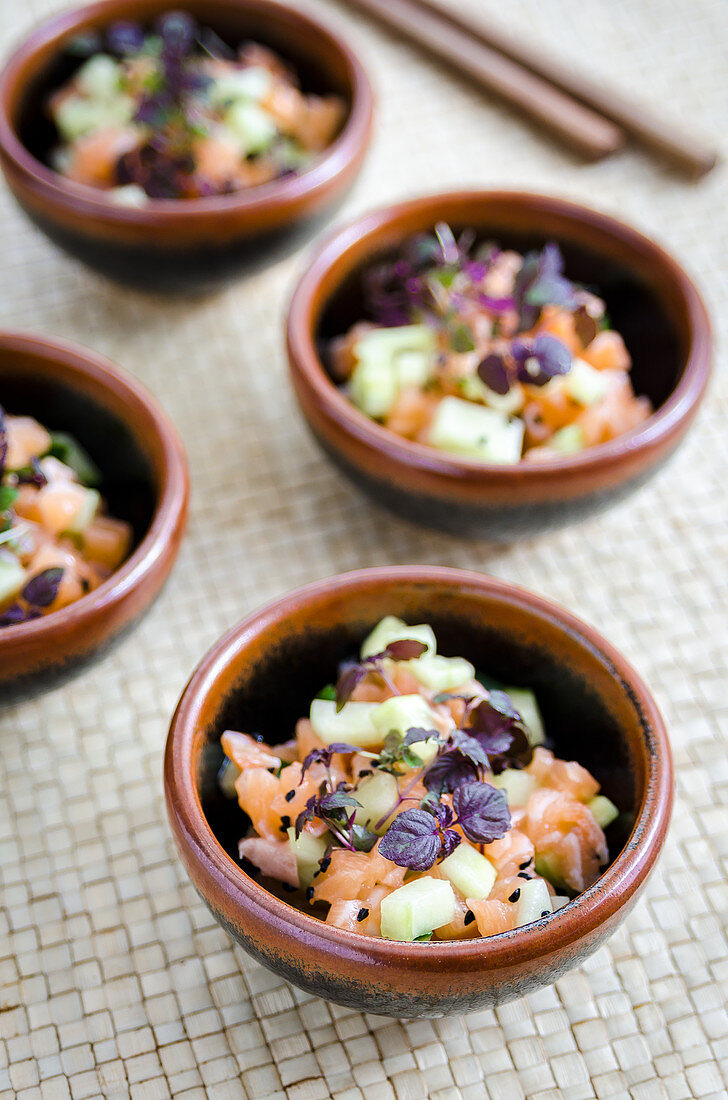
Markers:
point(188, 244)
point(145, 482)
point(582, 684)
point(649, 298)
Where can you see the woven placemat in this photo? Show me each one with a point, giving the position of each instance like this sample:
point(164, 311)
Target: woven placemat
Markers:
point(115, 980)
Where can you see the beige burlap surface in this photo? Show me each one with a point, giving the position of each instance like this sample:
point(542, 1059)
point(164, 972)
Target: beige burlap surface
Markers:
point(115, 979)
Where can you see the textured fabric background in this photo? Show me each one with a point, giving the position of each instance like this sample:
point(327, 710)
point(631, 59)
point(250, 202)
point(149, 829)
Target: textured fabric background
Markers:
point(115, 980)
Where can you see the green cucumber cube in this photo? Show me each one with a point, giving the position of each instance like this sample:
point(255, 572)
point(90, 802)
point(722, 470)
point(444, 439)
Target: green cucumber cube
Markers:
point(87, 508)
point(376, 795)
point(253, 83)
point(352, 724)
point(392, 629)
point(472, 388)
point(475, 431)
point(584, 383)
point(441, 673)
point(417, 908)
point(604, 810)
point(470, 872)
point(12, 578)
point(516, 785)
point(99, 77)
point(373, 387)
point(76, 116)
point(534, 901)
point(309, 850)
point(527, 706)
point(558, 901)
point(568, 440)
point(387, 360)
point(404, 712)
point(252, 126)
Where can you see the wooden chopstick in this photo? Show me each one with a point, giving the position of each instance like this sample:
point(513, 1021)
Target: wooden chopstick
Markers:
point(685, 150)
point(577, 126)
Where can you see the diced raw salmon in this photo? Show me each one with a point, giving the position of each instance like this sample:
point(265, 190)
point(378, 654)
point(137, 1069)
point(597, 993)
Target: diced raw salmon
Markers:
point(457, 929)
point(246, 752)
point(559, 322)
point(343, 914)
point(412, 412)
point(562, 775)
point(492, 917)
point(26, 440)
point(94, 156)
point(566, 836)
point(256, 789)
point(618, 412)
point(512, 853)
point(107, 541)
point(607, 351)
point(274, 858)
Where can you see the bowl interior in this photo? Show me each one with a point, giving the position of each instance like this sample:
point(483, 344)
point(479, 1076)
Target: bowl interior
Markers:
point(640, 297)
point(320, 68)
point(590, 714)
point(128, 479)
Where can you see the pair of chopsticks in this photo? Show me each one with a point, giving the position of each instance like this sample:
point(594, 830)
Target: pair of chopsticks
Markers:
point(586, 115)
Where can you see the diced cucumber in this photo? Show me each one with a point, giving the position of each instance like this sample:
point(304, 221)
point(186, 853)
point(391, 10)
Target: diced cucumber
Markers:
point(227, 777)
point(69, 451)
point(568, 440)
point(129, 195)
point(252, 126)
point(472, 388)
point(352, 724)
point(12, 578)
point(475, 431)
point(392, 629)
point(87, 508)
point(76, 116)
point(584, 383)
point(99, 77)
point(534, 901)
point(376, 794)
point(404, 712)
point(252, 83)
point(417, 908)
point(309, 851)
point(441, 673)
point(558, 901)
point(470, 872)
point(387, 360)
point(517, 786)
point(373, 387)
point(527, 706)
point(604, 810)
point(549, 867)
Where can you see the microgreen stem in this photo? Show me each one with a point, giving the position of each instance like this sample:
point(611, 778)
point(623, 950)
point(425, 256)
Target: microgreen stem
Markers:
point(402, 797)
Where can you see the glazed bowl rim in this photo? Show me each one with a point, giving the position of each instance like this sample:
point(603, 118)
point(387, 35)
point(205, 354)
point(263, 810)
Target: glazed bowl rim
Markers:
point(172, 491)
point(307, 305)
point(87, 201)
point(585, 913)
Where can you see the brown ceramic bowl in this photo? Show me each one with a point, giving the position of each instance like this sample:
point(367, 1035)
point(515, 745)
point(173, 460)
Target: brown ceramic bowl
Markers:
point(186, 244)
point(145, 482)
point(262, 675)
point(650, 299)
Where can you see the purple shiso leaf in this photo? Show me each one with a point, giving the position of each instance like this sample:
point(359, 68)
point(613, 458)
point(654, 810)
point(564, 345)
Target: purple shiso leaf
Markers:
point(497, 305)
point(450, 841)
point(324, 755)
point(482, 811)
point(350, 676)
point(470, 748)
point(125, 38)
point(585, 326)
point(538, 361)
point(412, 840)
point(404, 649)
point(41, 590)
point(415, 735)
point(16, 614)
point(540, 282)
point(493, 372)
point(440, 811)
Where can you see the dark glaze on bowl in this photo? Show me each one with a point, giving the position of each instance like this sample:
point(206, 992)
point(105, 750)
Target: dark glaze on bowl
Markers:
point(261, 677)
point(194, 243)
point(650, 300)
point(145, 482)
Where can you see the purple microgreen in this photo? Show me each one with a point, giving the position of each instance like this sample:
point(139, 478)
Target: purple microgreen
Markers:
point(324, 755)
point(541, 282)
point(462, 761)
point(32, 475)
point(413, 840)
point(497, 305)
point(330, 806)
point(125, 38)
point(482, 811)
point(538, 361)
point(450, 841)
point(362, 839)
point(493, 372)
point(41, 590)
point(397, 751)
point(351, 674)
point(178, 32)
point(415, 734)
point(16, 614)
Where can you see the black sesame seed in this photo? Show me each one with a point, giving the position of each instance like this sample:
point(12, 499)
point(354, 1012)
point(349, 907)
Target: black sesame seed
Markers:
point(545, 913)
point(362, 914)
point(367, 771)
point(522, 874)
point(285, 823)
point(469, 917)
point(288, 888)
point(324, 864)
point(523, 866)
point(309, 893)
point(289, 795)
point(515, 895)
